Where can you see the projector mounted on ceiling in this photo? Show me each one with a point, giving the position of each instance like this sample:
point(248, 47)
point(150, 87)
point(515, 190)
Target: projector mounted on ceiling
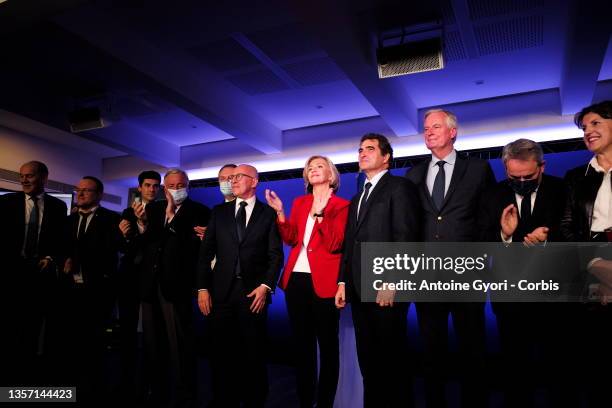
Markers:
point(410, 50)
point(92, 112)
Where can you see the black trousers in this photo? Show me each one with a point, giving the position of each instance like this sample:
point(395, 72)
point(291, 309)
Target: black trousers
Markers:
point(469, 324)
point(238, 357)
point(170, 358)
point(128, 302)
point(382, 349)
point(518, 327)
point(313, 320)
point(28, 301)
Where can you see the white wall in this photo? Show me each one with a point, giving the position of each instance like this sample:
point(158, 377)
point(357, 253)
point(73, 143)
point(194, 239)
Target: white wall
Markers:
point(66, 164)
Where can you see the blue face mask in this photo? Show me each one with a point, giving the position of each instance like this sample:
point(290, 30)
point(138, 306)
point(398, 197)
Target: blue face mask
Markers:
point(179, 195)
point(225, 187)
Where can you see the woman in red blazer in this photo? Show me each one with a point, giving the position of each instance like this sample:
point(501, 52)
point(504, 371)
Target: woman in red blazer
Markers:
point(315, 231)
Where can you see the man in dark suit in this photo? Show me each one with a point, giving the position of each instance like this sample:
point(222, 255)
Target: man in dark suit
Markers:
point(31, 240)
point(387, 210)
point(94, 241)
point(525, 208)
point(167, 289)
point(128, 298)
point(450, 187)
point(243, 236)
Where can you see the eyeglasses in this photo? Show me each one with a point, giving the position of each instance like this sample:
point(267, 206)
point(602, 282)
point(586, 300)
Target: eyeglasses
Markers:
point(84, 190)
point(238, 177)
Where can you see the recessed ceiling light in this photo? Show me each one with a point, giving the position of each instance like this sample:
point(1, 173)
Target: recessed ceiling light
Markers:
point(479, 82)
point(319, 106)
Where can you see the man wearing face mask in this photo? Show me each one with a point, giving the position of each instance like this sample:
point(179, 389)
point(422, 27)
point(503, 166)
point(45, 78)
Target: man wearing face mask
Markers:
point(525, 208)
point(224, 184)
point(167, 290)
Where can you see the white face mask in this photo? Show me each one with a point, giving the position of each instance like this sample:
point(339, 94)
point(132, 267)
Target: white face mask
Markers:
point(225, 187)
point(179, 195)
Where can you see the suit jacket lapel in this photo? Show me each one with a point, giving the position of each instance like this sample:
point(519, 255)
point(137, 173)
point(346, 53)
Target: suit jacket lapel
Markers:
point(458, 172)
point(421, 175)
point(257, 210)
point(231, 217)
point(363, 211)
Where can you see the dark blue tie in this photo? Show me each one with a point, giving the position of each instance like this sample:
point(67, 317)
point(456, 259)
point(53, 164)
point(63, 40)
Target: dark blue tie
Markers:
point(437, 193)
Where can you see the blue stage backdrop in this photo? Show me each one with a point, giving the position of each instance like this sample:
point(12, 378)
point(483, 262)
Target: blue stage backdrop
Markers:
point(556, 164)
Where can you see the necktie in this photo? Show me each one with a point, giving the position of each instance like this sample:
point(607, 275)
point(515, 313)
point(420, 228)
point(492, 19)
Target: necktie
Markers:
point(31, 244)
point(241, 220)
point(364, 199)
point(437, 193)
point(83, 225)
point(525, 215)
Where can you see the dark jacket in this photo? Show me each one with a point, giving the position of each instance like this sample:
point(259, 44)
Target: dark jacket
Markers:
point(547, 212)
point(97, 252)
point(392, 213)
point(582, 186)
point(456, 221)
point(171, 251)
point(260, 252)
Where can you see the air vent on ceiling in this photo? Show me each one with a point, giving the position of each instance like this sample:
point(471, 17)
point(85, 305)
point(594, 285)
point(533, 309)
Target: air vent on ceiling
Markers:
point(410, 58)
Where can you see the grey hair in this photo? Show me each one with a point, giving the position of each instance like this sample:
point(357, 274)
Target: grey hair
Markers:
point(451, 118)
point(176, 171)
point(523, 149)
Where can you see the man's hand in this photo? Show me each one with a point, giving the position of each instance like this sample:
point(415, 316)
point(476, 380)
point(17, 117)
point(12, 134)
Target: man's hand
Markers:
point(509, 221)
point(200, 231)
point(204, 302)
point(259, 298)
point(68, 266)
point(139, 211)
point(340, 298)
point(171, 207)
point(126, 228)
point(385, 298)
point(44, 264)
point(536, 236)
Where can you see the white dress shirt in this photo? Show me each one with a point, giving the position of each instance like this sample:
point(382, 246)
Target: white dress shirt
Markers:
point(433, 169)
point(302, 264)
point(374, 181)
point(29, 206)
point(602, 208)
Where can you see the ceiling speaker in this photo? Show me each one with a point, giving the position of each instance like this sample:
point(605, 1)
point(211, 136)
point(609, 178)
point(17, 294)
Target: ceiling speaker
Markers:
point(410, 58)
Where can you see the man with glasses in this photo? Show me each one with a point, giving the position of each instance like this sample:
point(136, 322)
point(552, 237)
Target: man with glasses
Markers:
point(243, 236)
point(167, 289)
point(90, 271)
point(32, 242)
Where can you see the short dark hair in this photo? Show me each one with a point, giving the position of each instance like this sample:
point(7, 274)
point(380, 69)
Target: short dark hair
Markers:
point(99, 184)
point(148, 174)
point(41, 168)
point(229, 165)
point(383, 143)
point(603, 109)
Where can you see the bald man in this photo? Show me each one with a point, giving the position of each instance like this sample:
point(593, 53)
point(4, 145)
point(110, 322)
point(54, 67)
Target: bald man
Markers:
point(242, 234)
point(31, 241)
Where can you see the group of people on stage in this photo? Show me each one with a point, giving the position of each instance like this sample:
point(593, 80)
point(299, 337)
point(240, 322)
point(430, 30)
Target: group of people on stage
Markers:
point(63, 276)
